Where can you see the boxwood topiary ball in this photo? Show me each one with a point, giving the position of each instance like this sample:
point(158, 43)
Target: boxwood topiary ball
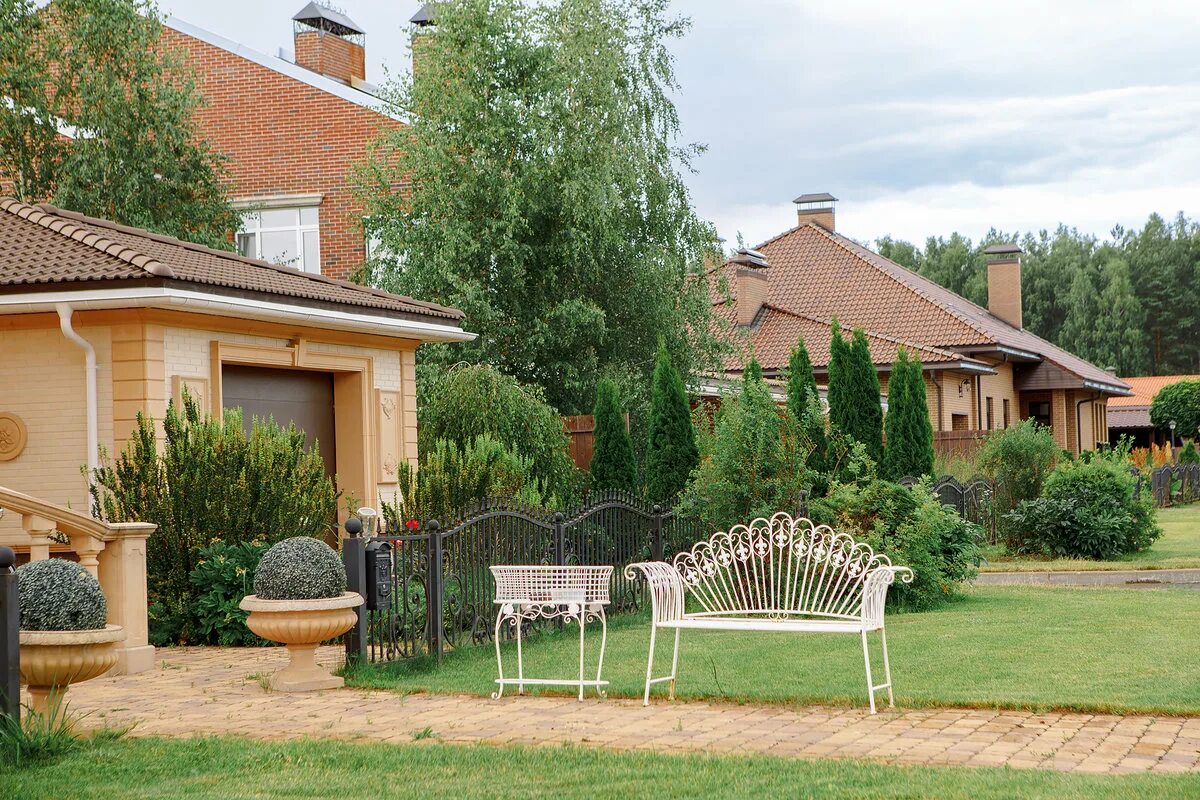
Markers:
point(300, 568)
point(59, 595)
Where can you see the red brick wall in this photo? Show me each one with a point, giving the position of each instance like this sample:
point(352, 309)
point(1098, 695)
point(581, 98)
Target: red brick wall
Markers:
point(283, 136)
point(330, 55)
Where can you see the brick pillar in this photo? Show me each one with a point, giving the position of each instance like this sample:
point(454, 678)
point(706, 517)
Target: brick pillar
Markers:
point(139, 378)
point(1060, 418)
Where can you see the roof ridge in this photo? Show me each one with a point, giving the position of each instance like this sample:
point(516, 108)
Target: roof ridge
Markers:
point(844, 243)
point(64, 224)
point(235, 256)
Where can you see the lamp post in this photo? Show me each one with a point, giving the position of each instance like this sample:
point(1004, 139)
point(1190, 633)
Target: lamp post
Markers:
point(1172, 427)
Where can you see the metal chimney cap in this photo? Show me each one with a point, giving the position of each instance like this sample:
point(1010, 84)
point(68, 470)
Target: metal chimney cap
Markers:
point(326, 19)
point(1003, 250)
point(750, 258)
point(818, 197)
point(424, 16)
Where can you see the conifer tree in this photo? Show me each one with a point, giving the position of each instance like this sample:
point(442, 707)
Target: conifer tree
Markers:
point(802, 385)
point(840, 377)
point(613, 464)
point(909, 431)
point(671, 453)
point(866, 415)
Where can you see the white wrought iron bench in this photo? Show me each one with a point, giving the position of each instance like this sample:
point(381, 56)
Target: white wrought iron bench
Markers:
point(781, 575)
point(550, 592)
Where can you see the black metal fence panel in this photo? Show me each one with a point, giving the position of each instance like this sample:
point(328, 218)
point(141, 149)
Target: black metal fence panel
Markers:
point(971, 500)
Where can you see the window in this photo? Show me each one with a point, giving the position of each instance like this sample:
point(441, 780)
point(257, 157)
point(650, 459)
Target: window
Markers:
point(1040, 412)
point(288, 236)
point(1007, 418)
point(991, 415)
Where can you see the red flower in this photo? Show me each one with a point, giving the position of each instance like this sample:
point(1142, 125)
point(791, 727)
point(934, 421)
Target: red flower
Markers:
point(412, 524)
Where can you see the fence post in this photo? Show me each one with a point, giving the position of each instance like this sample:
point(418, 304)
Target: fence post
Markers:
point(10, 641)
point(434, 601)
point(656, 540)
point(354, 556)
point(560, 550)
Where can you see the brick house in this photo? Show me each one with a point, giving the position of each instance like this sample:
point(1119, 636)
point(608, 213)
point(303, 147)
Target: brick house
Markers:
point(293, 126)
point(983, 371)
point(1130, 416)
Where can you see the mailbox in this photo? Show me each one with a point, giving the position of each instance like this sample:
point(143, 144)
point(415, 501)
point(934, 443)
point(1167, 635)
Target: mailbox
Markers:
point(379, 575)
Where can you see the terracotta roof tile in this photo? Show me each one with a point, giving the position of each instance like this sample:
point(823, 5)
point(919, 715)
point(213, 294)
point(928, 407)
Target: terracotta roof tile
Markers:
point(1145, 388)
point(46, 245)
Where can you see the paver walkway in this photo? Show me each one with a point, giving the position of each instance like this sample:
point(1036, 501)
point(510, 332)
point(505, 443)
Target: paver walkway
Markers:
point(215, 691)
point(1134, 578)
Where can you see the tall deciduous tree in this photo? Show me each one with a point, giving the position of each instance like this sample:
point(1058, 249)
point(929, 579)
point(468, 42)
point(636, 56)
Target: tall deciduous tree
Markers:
point(97, 71)
point(801, 392)
point(613, 465)
point(671, 452)
point(540, 189)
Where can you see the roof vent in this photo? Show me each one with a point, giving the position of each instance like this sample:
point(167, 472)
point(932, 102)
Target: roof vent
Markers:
point(330, 43)
point(750, 258)
point(816, 208)
point(424, 16)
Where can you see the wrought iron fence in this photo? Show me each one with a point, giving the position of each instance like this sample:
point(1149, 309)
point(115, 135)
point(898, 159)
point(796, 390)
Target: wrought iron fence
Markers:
point(972, 500)
point(1175, 484)
point(441, 589)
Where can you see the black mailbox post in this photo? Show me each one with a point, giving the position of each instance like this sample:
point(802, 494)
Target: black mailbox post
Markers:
point(10, 649)
point(379, 575)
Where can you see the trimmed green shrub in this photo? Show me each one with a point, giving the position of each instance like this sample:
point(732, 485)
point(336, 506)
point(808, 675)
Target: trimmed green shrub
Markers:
point(801, 391)
point(299, 568)
point(913, 529)
point(1087, 510)
point(613, 464)
point(909, 431)
point(1189, 455)
point(209, 482)
point(59, 595)
point(451, 479)
point(1017, 459)
point(468, 401)
point(671, 452)
point(1178, 403)
point(757, 465)
point(223, 575)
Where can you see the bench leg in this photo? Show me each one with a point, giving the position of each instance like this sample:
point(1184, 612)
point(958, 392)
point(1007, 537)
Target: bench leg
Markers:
point(674, 665)
point(520, 661)
point(650, 664)
point(887, 668)
point(867, 662)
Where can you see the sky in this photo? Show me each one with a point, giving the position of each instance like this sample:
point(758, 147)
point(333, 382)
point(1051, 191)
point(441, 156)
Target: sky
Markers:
point(922, 118)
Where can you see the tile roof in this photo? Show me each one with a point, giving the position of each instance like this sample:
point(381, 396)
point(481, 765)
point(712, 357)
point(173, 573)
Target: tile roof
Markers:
point(1128, 417)
point(1145, 388)
point(822, 274)
point(775, 332)
point(45, 245)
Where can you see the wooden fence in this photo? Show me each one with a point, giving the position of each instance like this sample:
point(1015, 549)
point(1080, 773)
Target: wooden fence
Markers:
point(957, 443)
point(581, 431)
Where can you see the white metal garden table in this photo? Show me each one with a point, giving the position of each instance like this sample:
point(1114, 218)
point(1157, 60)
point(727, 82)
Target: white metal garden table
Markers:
point(567, 593)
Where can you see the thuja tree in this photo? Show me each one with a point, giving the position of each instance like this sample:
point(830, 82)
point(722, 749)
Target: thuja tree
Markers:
point(854, 408)
point(909, 431)
point(671, 452)
point(99, 70)
point(801, 393)
point(208, 481)
point(613, 465)
point(543, 193)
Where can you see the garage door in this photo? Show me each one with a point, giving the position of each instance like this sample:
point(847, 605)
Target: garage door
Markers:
point(287, 395)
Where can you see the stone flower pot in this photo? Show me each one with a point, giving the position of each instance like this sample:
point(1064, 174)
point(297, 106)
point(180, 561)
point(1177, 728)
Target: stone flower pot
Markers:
point(302, 625)
point(53, 660)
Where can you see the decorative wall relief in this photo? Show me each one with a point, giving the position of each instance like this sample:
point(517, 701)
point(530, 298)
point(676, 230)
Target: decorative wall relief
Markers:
point(197, 388)
point(12, 436)
point(389, 410)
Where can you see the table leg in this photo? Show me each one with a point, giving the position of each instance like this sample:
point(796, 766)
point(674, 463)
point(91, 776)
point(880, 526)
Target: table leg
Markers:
point(496, 695)
point(603, 641)
point(582, 625)
point(520, 659)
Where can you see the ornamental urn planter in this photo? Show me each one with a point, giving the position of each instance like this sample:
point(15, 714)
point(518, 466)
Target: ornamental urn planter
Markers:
point(53, 660)
point(302, 625)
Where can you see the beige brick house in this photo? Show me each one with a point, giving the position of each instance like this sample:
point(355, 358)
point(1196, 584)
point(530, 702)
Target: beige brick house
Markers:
point(99, 322)
point(983, 371)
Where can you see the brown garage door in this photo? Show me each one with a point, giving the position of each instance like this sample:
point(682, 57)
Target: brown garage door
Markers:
point(287, 395)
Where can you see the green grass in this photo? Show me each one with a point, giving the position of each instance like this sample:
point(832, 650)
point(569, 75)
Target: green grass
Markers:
point(236, 769)
point(1177, 548)
point(1109, 650)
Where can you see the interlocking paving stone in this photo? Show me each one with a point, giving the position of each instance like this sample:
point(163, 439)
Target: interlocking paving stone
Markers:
point(201, 691)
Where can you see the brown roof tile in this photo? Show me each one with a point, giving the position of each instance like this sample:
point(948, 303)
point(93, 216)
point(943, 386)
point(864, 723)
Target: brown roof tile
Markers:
point(46, 245)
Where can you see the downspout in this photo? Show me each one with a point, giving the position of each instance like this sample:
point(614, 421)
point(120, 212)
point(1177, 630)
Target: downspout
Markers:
point(937, 384)
point(89, 354)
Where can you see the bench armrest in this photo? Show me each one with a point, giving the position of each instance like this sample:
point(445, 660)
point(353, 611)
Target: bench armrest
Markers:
point(875, 591)
point(666, 588)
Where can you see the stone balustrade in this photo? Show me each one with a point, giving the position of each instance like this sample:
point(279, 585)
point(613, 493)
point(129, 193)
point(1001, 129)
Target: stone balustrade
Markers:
point(113, 552)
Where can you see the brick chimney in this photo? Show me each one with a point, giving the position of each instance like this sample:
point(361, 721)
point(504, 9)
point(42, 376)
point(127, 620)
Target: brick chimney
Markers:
point(816, 208)
point(1004, 282)
point(752, 286)
point(423, 20)
point(330, 43)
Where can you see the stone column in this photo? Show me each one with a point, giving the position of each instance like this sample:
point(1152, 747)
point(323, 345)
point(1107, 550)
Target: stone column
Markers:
point(39, 529)
point(123, 578)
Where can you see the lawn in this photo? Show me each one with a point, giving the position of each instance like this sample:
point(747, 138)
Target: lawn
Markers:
point(233, 769)
point(1108, 650)
point(1177, 548)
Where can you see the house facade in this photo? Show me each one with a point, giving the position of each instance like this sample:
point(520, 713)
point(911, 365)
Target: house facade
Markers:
point(1130, 416)
point(983, 370)
point(293, 127)
point(100, 322)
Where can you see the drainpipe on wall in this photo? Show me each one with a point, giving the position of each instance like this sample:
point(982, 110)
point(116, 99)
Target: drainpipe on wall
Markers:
point(89, 354)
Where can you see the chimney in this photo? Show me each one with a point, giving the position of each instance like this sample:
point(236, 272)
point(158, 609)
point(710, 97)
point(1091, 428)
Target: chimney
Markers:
point(1004, 282)
point(752, 285)
point(330, 43)
point(423, 20)
point(816, 208)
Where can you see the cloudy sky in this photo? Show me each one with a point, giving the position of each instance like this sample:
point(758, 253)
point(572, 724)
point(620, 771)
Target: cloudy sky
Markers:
point(923, 117)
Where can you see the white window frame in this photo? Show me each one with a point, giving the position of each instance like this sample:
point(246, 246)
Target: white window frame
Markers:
point(251, 225)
